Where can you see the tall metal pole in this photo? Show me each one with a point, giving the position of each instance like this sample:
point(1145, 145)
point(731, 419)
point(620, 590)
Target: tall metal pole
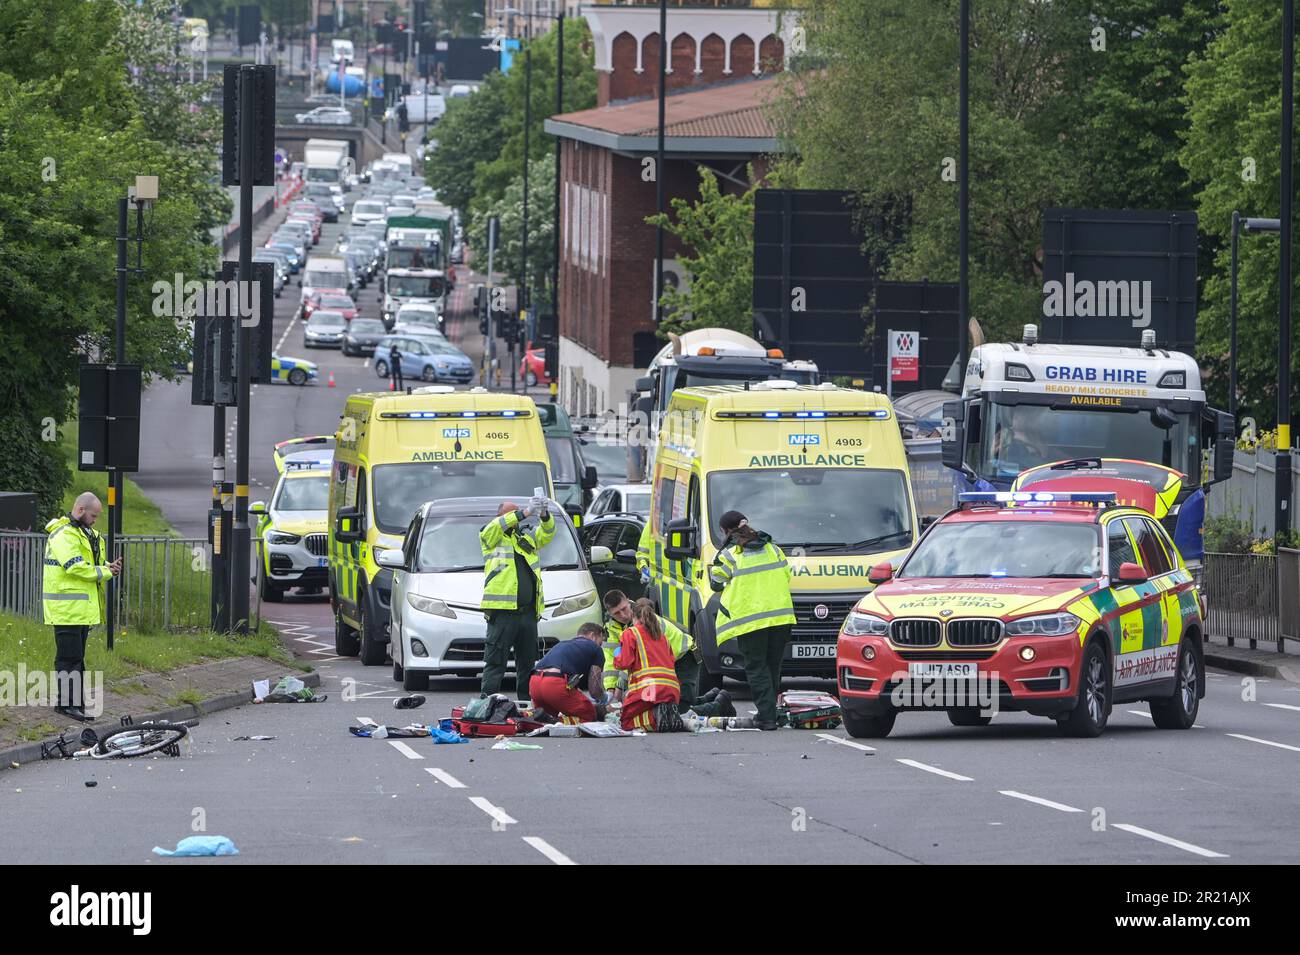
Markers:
point(1283, 473)
point(528, 121)
point(115, 476)
point(963, 196)
point(491, 350)
point(1232, 321)
point(659, 162)
point(559, 108)
point(241, 536)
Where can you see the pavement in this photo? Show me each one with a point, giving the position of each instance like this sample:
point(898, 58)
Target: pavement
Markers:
point(1012, 792)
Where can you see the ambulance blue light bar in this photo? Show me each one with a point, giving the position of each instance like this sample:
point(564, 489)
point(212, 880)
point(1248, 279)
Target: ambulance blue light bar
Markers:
point(876, 413)
point(1036, 497)
point(427, 415)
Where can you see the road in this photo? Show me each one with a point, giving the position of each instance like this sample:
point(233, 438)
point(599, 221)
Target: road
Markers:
point(1013, 792)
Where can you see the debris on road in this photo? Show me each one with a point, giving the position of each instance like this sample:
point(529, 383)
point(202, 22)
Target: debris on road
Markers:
point(808, 710)
point(91, 784)
point(510, 744)
point(254, 739)
point(408, 702)
point(575, 730)
point(369, 729)
point(289, 689)
point(200, 846)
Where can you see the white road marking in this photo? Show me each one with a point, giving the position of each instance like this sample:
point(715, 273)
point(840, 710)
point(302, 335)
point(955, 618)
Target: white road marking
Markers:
point(496, 812)
point(405, 750)
point(846, 742)
point(1170, 841)
point(447, 779)
point(1284, 706)
point(1266, 742)
point(548, 850)
point(1039, 800)
point(936, 770)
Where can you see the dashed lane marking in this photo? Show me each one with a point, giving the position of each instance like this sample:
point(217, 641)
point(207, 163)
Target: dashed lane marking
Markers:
point(1284, 706)
point(447, 779)
point(496, 812)
point(1169, 841)
point(1039, 801)
point(846, 742)
point(548, 850)
point(937, 771)
point(405, 750)
point(1265, 742)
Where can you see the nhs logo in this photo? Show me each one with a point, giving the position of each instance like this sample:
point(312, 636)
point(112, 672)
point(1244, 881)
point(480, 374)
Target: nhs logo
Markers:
point(803, 439)
point(455, 432)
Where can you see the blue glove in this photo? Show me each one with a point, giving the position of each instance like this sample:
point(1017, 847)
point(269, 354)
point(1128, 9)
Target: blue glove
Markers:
point(645, 575)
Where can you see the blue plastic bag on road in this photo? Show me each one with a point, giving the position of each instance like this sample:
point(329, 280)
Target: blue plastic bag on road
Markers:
point(446, 736)
point(200, 846)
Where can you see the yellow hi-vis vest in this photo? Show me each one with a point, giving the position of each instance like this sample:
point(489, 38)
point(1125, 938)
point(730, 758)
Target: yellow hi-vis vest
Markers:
point(677, 638)
point(755, 586)
point(501, 584)
point(72, 591)
point(643, 548)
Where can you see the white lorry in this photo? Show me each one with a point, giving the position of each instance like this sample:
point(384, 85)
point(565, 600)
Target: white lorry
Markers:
point(327, 161)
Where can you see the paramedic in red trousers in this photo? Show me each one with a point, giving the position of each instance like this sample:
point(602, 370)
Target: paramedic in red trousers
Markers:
point(568, 669)
point(652, 688)
point(76, 570)
point(756, 609)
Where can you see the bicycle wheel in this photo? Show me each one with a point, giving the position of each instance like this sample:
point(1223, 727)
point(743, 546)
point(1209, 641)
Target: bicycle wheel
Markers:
point(140, 740)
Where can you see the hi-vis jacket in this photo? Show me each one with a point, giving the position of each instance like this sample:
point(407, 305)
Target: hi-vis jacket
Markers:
point(501, 585)
point(643, 549)
point(72, 592)
point(754, 580)
point(649, 664)
point(677, 638)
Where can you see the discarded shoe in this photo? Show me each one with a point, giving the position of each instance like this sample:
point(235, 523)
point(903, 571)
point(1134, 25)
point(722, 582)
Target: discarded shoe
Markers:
point(74, 712)
point(725, 706)
point(408, 702)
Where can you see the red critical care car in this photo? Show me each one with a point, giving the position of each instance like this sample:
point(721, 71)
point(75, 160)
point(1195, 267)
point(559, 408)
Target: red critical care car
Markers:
point(1056, 604)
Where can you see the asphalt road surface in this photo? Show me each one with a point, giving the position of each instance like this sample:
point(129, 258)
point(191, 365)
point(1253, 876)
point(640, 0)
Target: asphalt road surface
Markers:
point(1012, 792)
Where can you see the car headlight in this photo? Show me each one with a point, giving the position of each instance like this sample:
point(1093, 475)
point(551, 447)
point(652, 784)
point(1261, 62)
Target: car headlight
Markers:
point(574, 604)
point(858, 624)
point(1043, 625)
point(430, 605)
point(280, 537)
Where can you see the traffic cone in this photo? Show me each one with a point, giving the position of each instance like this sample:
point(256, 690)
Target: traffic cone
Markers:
point(392, 384)
point(331, 384)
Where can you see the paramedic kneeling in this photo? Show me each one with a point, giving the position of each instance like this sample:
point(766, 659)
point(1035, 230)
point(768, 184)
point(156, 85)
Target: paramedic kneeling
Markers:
point(571, 667)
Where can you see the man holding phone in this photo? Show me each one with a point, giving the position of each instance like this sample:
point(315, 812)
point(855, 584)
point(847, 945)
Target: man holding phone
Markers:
point(73, 595)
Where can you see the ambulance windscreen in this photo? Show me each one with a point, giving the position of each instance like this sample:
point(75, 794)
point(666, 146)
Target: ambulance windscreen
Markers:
point(400, 489)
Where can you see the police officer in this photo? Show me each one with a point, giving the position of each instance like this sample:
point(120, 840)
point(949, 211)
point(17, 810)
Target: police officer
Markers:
point(73, 595)
point(753, 577)
point(512, 590)
point(395, 367)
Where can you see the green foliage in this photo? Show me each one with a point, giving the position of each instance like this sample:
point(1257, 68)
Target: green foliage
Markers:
point(469, 135)
point(1228, 535)
point(509, 211)
point(718, 230)
point(77, 129)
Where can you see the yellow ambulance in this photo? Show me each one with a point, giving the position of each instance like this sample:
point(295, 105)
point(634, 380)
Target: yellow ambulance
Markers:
point(819, 468)
point(394, 452)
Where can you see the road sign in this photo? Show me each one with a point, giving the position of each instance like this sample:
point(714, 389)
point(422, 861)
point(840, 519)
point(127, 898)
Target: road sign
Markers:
point(904, 355)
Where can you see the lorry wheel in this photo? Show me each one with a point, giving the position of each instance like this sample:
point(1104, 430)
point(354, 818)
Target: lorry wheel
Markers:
point(869, 727)
point(1178, 712)
point(968, 716)
point(415, 680)
point(1092, 708)
point(345, 638)
point(373, 650)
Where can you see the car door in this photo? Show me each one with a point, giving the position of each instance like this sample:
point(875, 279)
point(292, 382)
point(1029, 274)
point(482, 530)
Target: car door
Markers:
point(1143, 627)
point(413, 357)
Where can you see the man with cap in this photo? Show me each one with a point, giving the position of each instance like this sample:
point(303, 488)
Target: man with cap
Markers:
point(512, 590)
point(756, 609)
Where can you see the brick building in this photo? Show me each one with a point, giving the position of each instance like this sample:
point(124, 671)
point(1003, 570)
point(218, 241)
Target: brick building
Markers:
point(722, 61)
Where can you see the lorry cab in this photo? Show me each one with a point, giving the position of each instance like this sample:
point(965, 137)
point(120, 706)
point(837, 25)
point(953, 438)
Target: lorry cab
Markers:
point(819, 468)
point(393, 453)
point(404, 286)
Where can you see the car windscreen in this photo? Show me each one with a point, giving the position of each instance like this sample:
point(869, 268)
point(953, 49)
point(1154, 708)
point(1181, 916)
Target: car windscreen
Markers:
point(564, 466)
point(367, 326)
point(450, 543)
point(417, 316)
point(368, 208)
point(822, 510)
point(304, 494)
point(1006, 548)
point(637, 503)
point(336, 301)
point(400, 489)
point(609, 459)
point(327, 320)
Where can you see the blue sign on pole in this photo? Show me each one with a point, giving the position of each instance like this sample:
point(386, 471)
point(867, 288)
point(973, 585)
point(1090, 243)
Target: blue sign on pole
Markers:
point(508, 48)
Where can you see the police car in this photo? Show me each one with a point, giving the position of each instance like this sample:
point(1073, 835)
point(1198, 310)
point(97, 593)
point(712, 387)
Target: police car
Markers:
point(295, 371)
point(295, 539)
point(1056, 604)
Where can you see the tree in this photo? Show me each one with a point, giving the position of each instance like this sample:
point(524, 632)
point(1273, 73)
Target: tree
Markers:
point(458, 16)
point(75, 129)
point(718, 229)
point(509, 212)
point(1234, 101)
point(469, 135)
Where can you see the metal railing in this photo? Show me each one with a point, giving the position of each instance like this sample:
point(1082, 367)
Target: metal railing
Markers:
point(1242, 592)
point(165, 582)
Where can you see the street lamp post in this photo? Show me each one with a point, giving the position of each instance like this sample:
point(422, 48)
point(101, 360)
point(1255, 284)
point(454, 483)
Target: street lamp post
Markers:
point(659, 164)
point(1240, 225)
point(963, 194)
point(1282, 476)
